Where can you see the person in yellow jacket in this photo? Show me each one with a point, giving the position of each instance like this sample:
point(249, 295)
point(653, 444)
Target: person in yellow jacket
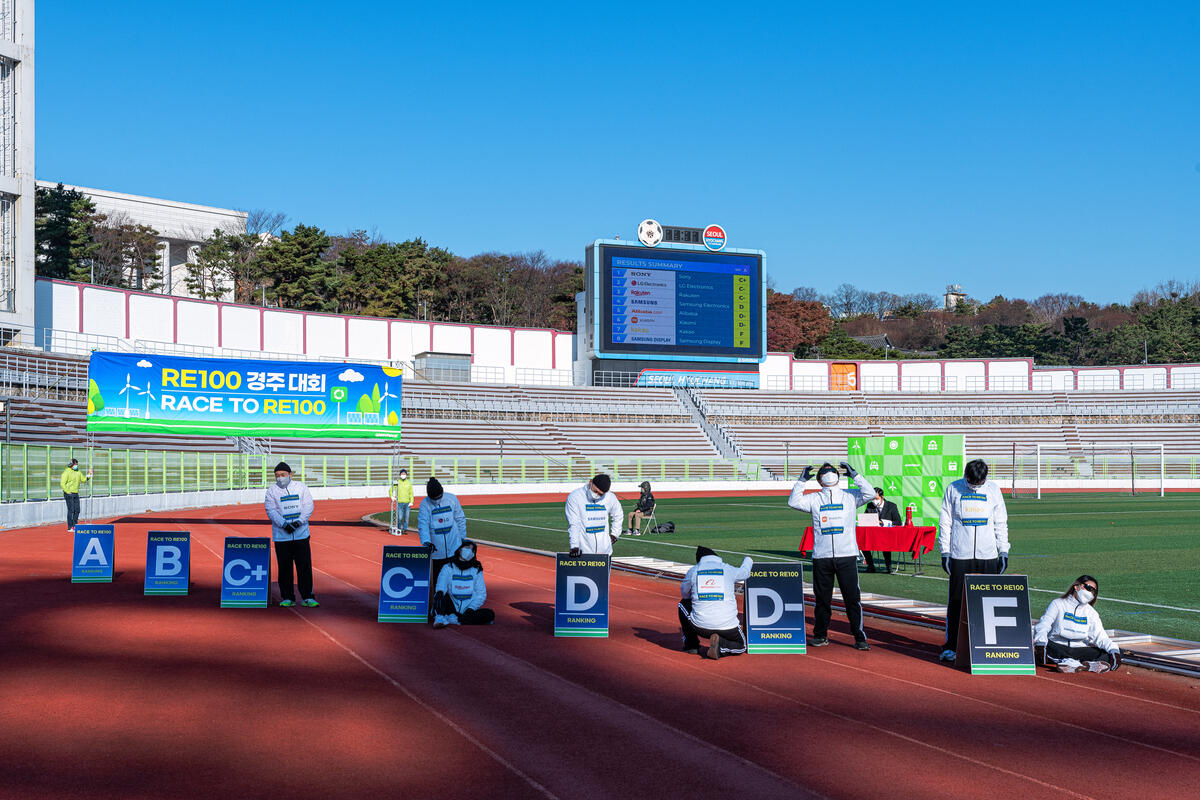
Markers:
point(402, 495)
point(70, 481)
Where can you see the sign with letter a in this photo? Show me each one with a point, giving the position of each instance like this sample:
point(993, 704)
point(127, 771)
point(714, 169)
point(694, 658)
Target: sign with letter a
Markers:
point(168, 562)
point(995, 635)
point(404, 585)
point(581, 595)
point(93, 559)
point(246, 574)
point(775, 609)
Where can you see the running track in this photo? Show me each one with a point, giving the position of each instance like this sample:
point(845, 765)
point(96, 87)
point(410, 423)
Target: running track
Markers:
point(106, 693)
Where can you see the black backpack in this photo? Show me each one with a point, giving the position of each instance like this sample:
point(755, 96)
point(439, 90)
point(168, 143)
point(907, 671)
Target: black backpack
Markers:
point(666, 527)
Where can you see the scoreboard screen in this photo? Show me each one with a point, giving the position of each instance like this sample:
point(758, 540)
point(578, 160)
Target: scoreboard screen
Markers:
point(675, 302)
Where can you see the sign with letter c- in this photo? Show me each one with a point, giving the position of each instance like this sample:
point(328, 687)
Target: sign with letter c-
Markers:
point(404, 585)
point(775, 608)
point(246, 572)
point(168, 562)
point(581, 595)
point(93, 555)
point(995, 633)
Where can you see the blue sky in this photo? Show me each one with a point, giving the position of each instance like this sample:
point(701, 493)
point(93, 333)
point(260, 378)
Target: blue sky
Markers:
point(1015, 148)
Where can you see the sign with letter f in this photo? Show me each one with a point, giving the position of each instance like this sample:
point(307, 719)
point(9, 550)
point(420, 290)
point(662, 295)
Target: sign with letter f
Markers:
point(995, 629)
point(581, 595)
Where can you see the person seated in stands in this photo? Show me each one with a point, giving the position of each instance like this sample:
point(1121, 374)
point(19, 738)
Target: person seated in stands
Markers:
point(708, 606)
point(644, 508)
point(461, 593)
point(888, 514)
point(1071, 633)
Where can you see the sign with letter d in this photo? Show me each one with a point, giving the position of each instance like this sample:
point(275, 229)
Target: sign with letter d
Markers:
point(93, 559)
point(404, 585)
point(581, 595)
point(775, 609)
point(168, 562)
point(246, 574)
point(995, 634)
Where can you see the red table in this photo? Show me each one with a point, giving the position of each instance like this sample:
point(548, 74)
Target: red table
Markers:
point(898, 539)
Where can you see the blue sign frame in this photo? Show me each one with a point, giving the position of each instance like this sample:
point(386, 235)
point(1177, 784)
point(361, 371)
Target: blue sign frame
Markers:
point(581, 594)
point(246, 572)
point(166, 549)
point(404, 584)
point(774, 602)
point(93, 543)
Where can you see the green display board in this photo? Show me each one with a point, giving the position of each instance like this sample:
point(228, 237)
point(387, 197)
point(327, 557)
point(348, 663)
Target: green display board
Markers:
point(912, 470)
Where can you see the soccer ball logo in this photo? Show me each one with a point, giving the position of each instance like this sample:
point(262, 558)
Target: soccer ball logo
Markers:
point(650, 233)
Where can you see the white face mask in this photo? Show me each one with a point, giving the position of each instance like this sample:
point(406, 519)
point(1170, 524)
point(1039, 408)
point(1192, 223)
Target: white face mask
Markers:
point(283, 482)
point(1084, 596)
point(829, 479)
point(466, 554)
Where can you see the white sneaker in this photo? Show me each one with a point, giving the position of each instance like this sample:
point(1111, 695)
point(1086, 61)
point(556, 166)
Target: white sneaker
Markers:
point(948, 655)
point(1098, 666)
point(1069, 665)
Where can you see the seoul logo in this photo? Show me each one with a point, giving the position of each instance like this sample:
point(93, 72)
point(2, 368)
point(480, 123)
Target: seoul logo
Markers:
point(650, 233)
point(714, 237)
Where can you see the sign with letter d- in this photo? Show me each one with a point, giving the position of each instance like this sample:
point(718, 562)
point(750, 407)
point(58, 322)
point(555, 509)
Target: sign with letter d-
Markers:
point(246, 573)
point(404, 585)
point(581, 595)
point(995, 636)
point(93, 559)
point(168, 562)
point(775, 609)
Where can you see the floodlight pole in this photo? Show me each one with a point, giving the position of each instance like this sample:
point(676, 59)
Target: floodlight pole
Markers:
point(1038, 474)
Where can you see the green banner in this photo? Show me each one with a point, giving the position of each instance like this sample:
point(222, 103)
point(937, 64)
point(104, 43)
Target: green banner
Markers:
point(913, 470)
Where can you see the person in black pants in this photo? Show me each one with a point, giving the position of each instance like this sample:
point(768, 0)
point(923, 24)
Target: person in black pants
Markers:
point(887, 512)
point(289, 506)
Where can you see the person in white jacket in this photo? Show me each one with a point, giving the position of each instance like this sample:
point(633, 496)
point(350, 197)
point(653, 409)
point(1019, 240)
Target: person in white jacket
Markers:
point(460, 592)
point(593, 518)
point(289, 507)
point(835, 546)
point(442, 527)
point(972, 537)
point(1073, 635)
point(708, 605)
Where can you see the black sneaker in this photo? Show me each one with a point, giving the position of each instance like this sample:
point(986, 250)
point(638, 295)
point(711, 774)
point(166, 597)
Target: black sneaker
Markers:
point(862, 645)
point(818, 641)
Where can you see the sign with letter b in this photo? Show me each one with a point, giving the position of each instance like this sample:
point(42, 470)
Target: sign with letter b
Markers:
point(168, 562)
point(581, 595)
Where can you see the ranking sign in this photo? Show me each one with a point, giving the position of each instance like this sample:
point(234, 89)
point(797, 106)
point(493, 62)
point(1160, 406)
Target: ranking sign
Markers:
point(775, 609)
point(404, 585)
point(246, 575)
point(93, 554)
point(168, 562)
point(994, 634)
point(581, 595)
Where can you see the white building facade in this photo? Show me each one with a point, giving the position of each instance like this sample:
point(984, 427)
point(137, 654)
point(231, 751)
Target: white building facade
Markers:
point(17, 247)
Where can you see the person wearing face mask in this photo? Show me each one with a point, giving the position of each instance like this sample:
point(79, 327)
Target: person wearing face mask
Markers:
point(972, 537)
point(289, 507)
point(460, 592)
point(402, 495)
point(442, 526)
point(70, 481)
point(1072, 634)
point(835, 546)
point(593, 518)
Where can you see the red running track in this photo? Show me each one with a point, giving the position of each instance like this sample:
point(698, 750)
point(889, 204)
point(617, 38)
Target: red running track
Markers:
point(107, 693)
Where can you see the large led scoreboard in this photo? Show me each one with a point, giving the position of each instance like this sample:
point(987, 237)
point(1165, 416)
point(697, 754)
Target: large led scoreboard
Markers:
point(678, 302)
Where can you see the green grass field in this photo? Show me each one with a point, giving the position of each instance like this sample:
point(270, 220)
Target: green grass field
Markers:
point(1144, 550)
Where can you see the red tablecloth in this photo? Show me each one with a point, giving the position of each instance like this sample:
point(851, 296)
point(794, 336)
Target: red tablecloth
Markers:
point(898, 539)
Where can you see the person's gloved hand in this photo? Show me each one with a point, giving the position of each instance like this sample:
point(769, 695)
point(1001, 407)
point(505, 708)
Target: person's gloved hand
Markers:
point(290, 527)
point(946, 563)
point(853, 473)
point(1003, 563)
point(612, 537)
point(807, 475)
point(1114, 659)
point(428, 546)
point(575, 552)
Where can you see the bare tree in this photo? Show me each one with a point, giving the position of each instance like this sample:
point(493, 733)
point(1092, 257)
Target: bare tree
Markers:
point(806, 294)
point(262, 223)
point(1049, 308)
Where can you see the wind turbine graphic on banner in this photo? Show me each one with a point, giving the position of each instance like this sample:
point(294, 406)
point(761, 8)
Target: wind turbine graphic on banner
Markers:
point(386, 394)
point(149, 396)
point(128, 394)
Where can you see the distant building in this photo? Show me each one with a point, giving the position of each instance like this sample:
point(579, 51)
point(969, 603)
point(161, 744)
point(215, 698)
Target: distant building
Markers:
point(953, 295)
point(181, 226)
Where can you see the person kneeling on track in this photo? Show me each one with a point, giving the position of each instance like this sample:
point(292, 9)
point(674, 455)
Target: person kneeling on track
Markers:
point(708, 608)
point(1072, 634)
point(460, 593)
point(835, 546)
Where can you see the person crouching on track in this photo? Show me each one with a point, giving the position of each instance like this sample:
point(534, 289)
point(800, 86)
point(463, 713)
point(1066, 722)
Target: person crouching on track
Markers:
point(708, 608)
point(835, 546)
point(442, 526)
point(972, 537)
point(1072, 634)
point(289, 506)
point(593, 518)
point(461, 593)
